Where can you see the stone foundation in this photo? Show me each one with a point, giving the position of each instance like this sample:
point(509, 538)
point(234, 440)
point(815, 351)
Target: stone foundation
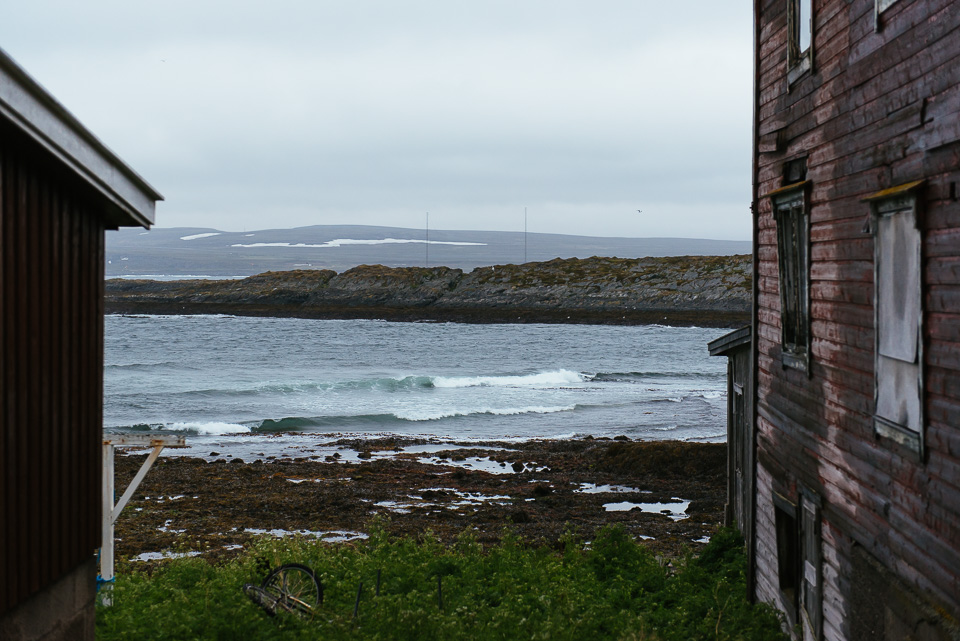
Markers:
point(63, 611)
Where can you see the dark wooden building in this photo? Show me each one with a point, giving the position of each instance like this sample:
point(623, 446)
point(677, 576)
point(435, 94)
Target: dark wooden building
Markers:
point(60, 189)
point(740, 452)
point(856, 328)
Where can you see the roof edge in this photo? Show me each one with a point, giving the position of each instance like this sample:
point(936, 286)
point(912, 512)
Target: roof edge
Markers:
point(729, 342)
point(33, 110)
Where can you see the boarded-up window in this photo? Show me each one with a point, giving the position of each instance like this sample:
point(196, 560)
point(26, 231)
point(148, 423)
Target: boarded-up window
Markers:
point(898, 317)
point(793, 252)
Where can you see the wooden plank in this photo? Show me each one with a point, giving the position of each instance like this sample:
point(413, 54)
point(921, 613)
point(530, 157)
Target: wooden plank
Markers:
point(846, 313)
point(941, 409)
point(942, 243)
point(28, 492)
point(945, 354)
point(943, 437)
point(943, 270)
point(40, 330)
point(7, 446)
point(842, 292)
point(842, 250)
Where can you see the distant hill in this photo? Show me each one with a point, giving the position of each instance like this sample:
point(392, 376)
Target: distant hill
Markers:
point(190, 251)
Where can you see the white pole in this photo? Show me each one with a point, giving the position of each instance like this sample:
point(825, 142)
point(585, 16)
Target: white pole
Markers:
point(106, 527)
point(135, 483)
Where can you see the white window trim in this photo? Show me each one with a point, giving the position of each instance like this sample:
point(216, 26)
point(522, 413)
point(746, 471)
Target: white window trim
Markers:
point(798, 62)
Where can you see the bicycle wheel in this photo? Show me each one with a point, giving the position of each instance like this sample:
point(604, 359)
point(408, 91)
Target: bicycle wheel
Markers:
point(261, 597)
point(295, 587)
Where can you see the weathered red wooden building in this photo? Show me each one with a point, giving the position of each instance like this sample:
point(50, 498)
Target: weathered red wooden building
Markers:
point(854, 504)
point(60, 188)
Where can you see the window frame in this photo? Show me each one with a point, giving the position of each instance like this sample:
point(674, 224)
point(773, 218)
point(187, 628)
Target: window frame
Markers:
point(787, 531)
point(798, 62)
point(791, 211)
point(879, 6)
point(902, 199)
point(799, 545)
point(811, 562)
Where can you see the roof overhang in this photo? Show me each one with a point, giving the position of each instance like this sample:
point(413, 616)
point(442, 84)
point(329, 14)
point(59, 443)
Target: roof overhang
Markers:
point(129, 200)
point(737, 339)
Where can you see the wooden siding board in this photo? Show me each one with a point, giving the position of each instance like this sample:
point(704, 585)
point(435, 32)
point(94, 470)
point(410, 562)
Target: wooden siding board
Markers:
point(27, 493)
point(944, 436)
point(945, 354)
point(51, 370)
point(851, 293)
point(943, 270)
point(4, 436)
point(943, 382)
point(942, 243)
point(7, 501)
point(39, 315)
point(944, 213)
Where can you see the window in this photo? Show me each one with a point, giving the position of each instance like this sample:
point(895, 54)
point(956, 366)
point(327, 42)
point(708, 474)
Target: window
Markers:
point(800, 41)
point(879, 7)
point(811, 591)
point(788, 553)
point(799, 566)
point(898, 316)
point(793, 254)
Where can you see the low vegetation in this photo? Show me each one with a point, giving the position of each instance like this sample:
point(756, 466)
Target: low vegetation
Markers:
point(610, 588)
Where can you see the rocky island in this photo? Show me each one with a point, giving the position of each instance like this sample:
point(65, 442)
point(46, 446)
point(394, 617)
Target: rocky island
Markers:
point(681, 290)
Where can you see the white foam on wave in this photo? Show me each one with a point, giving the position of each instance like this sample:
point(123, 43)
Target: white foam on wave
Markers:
point(556, 378)
point(340, 242)
point(212, 428)
point(196, 236)
point(437, 414)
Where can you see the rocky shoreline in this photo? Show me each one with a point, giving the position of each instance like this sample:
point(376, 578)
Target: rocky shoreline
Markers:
point(688, 290)
point(668, 494)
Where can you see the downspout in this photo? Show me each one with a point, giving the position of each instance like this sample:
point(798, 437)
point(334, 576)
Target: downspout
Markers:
point(755, 361)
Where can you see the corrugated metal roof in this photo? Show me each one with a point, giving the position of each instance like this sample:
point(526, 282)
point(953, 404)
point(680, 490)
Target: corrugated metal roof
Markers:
point(27, 105)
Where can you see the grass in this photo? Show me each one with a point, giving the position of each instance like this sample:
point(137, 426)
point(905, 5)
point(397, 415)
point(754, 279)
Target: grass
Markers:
point(611, 589)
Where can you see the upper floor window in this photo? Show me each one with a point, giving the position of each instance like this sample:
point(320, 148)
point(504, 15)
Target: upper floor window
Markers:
point(878, 8)
point(800, 41)
point(793, 258)
point(898, 315)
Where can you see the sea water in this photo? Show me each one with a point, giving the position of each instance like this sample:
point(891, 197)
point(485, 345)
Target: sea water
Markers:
point(225, 380)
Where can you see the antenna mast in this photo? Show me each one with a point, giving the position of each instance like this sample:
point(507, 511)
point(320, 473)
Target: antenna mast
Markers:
point(524, 234)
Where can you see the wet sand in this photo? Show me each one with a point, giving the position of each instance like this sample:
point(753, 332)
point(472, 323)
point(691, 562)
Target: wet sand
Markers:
point(668, 494)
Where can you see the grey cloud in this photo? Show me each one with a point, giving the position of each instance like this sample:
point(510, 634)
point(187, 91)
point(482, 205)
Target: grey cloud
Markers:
point(376, 111)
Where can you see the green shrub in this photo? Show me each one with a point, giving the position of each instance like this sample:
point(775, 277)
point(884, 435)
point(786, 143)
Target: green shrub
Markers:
point(612, 588)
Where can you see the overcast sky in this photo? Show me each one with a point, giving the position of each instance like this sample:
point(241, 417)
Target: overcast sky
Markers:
point(254, 115)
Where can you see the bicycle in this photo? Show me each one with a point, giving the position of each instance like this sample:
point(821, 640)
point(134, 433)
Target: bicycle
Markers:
point(291, 588)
